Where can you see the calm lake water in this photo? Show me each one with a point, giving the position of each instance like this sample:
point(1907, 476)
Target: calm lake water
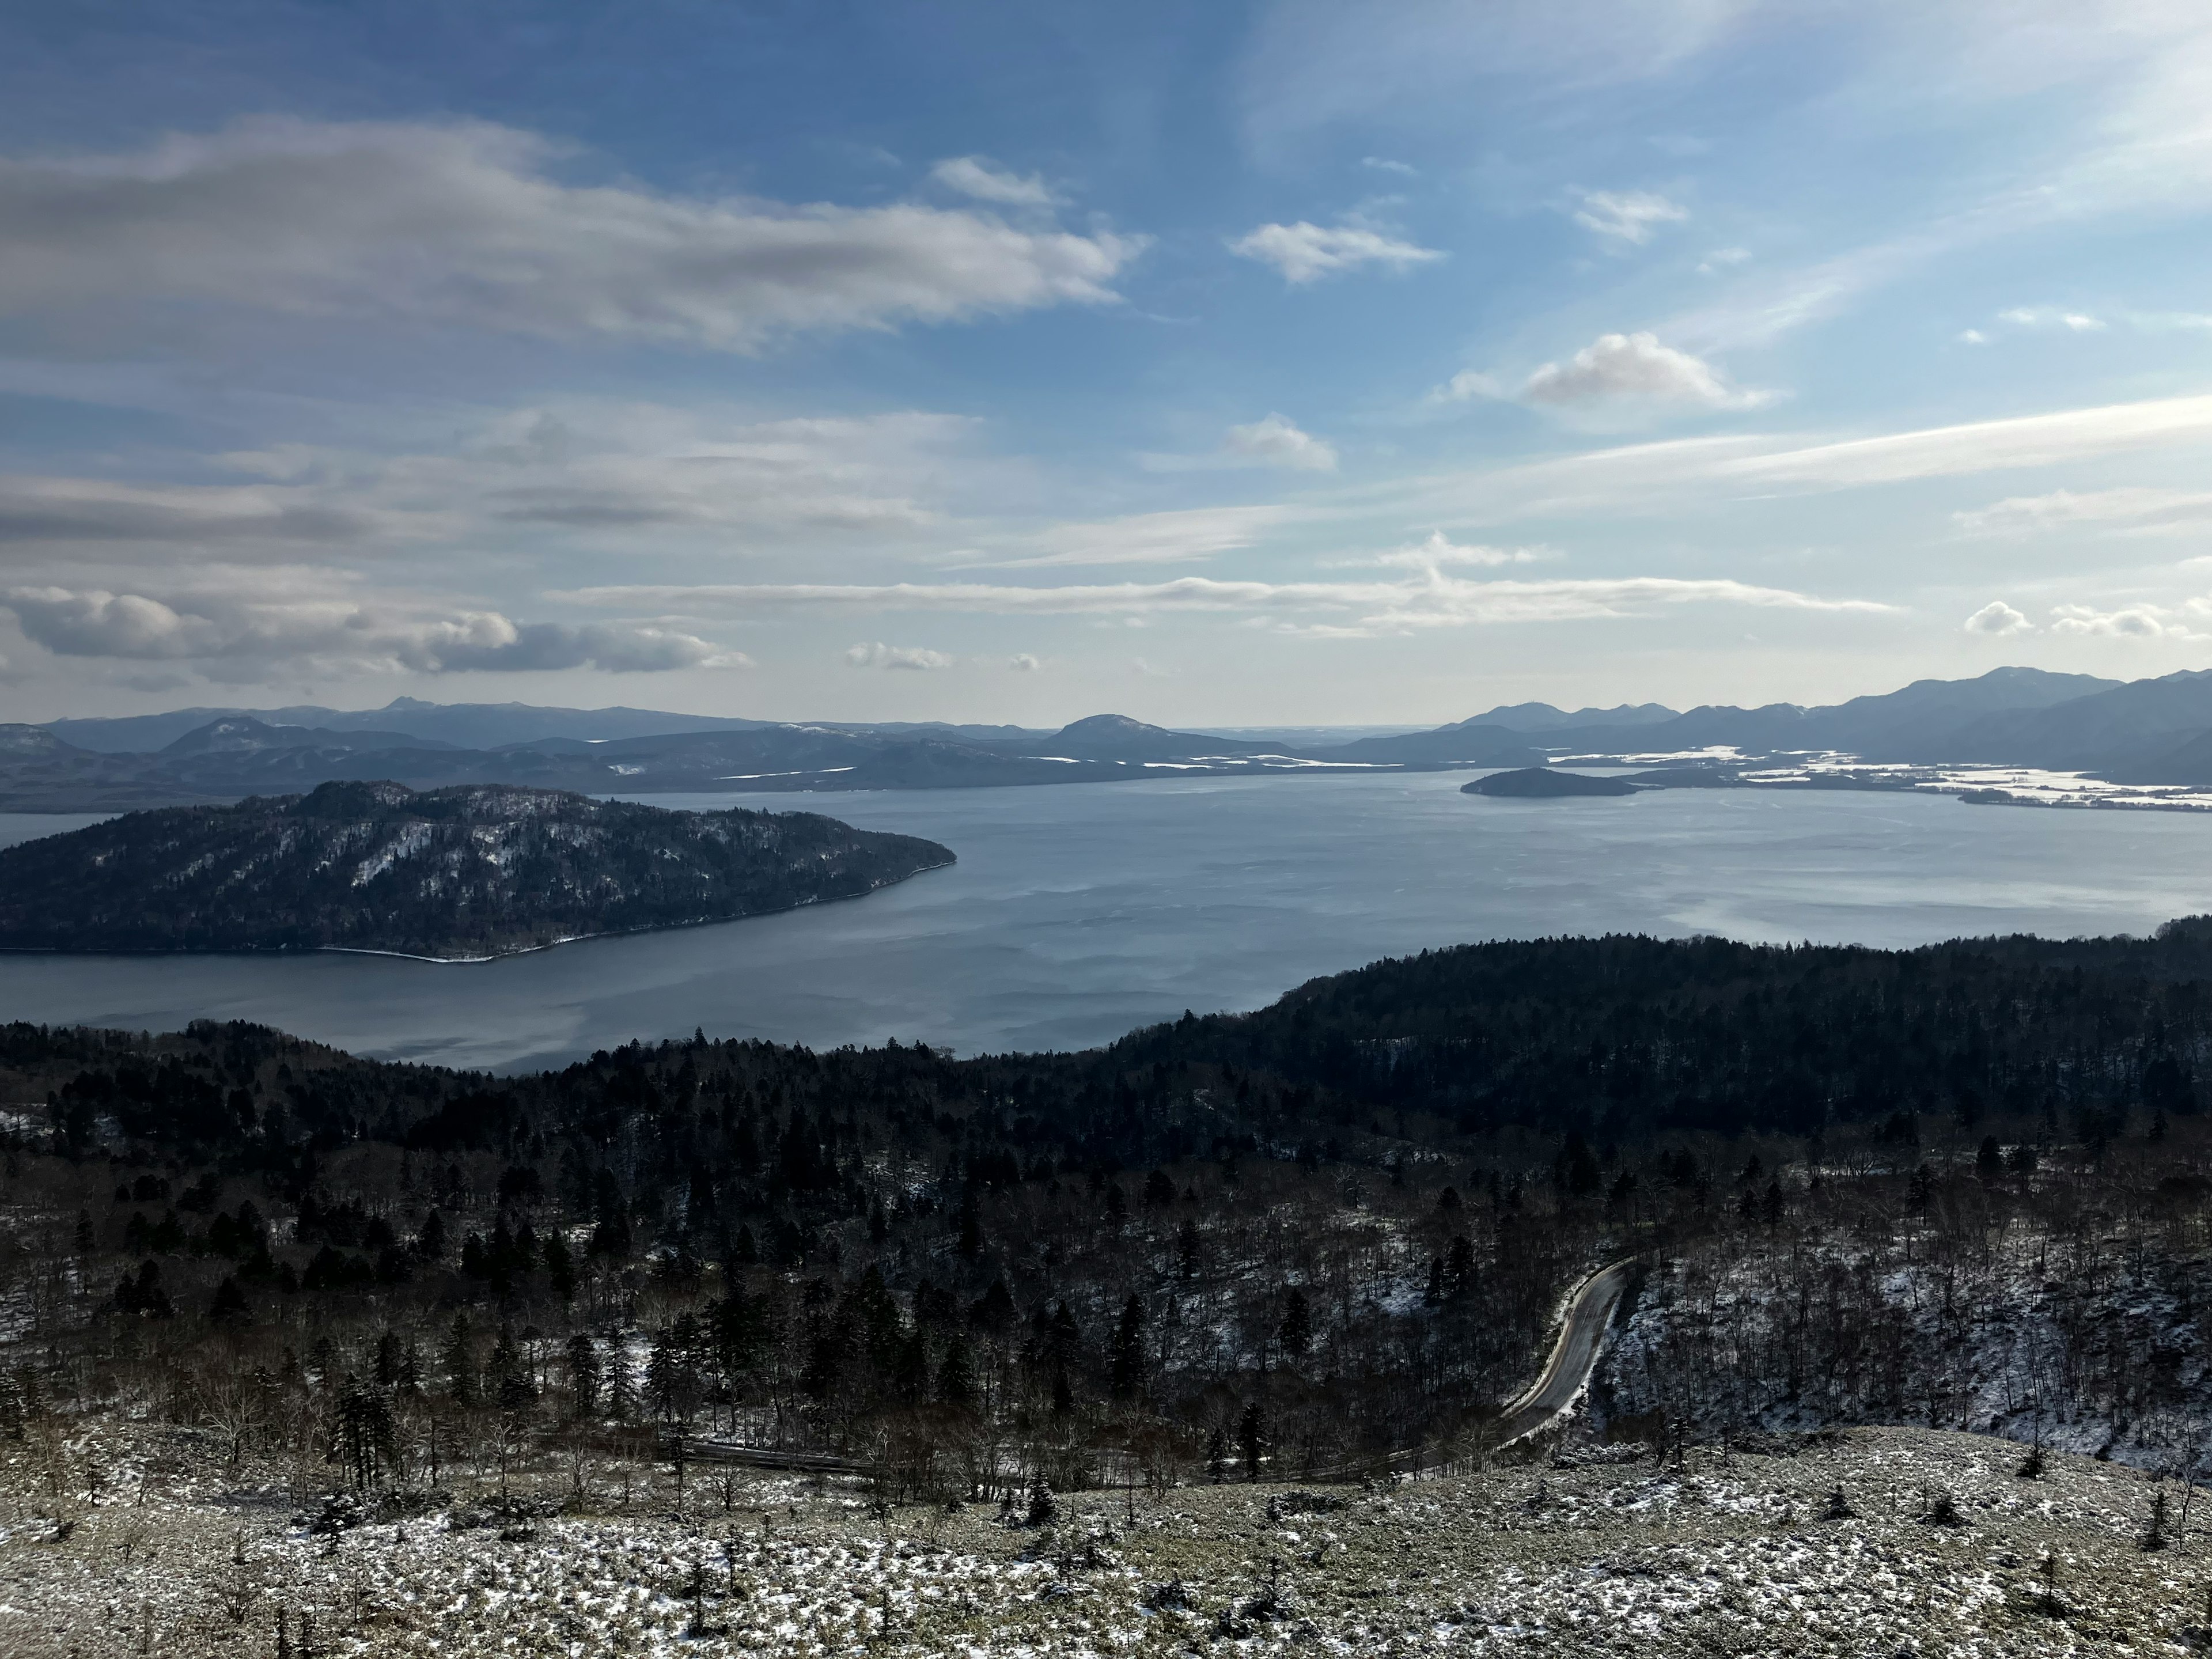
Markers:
point(1078, 912)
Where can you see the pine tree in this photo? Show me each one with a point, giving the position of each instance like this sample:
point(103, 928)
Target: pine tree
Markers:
point(229, 1306)
point(560, 1268)
point(459, 1361)
point(1125, 1355)
point(512, 1388)
point(1298, 1324)
point(1186, 1242)
point(956, 1376)
point(620, 1379)
point(1251, 1440)
point(583, 1375)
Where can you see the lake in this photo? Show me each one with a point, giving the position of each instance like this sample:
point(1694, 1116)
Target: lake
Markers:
point(1078, 912)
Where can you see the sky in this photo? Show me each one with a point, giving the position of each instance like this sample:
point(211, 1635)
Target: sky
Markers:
point(1242, 363)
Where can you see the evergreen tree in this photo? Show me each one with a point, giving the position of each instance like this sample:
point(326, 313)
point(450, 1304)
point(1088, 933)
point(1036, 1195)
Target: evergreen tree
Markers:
point(1297, 1328)
point(1126, 1354)
point(387, 1371)
point(583, 1375)
point(229, 1306)
point(1251, 1440)
point(459, 1361)
point(956, 1376)
point(620, 1373)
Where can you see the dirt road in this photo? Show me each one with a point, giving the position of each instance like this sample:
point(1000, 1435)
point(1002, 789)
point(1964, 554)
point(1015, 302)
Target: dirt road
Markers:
point(1572, 1355)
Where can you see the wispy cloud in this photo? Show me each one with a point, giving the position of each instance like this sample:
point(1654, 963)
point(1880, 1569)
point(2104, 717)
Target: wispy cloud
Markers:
point(876, 654)
point(985, 181)
point(1630, 217)
point(1439, 552)
point(1277, 441)
point(1978, 446)
point(465, 224)
point(2042, 316)
point(1306, 252)
point(1178, 536)
point(2137, 510)
point(1431, 599)
point(246, 631)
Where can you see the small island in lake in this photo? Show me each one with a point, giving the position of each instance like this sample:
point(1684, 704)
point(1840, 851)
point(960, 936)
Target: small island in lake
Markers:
point(1544, 783)
point(453, 874)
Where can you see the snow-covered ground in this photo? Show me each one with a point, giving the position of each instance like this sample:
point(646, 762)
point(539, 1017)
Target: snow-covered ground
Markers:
point(1741, 1554)
point(2089, 1347)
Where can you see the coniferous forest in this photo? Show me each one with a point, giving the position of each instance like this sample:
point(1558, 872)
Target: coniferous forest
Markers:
point(1964, 1186)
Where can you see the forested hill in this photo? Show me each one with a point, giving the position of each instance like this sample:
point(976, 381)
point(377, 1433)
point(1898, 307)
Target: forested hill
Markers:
point(1338, 1227)
point(1622, 1037)
point(458, 873)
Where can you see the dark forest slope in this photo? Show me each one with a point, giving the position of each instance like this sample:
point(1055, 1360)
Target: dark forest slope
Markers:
point(466, 871)
point(1332, 1230)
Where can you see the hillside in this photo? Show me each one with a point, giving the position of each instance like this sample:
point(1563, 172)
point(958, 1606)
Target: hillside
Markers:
point(458, 873)
point(1613, 1550)
point(461, 1322)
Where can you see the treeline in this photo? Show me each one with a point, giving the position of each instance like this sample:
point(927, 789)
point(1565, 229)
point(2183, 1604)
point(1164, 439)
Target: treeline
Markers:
point(1311, 1238)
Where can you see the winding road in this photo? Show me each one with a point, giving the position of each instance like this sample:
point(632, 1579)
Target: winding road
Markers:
point(1572, 1356)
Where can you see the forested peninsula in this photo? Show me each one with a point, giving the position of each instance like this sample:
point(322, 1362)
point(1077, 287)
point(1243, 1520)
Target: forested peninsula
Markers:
point(453, 874)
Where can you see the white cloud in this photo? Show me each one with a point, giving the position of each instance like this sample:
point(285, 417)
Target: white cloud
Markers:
point(1438, 553)
point(210, 628)
point(1383, 164)
point(64, 510)
point(1642, 479)
point(1635, 366)
point(1998, 618)
point(1972, 336)
point(2144, 509)
point(583, 468)
point(978, 177)
point(1023, 663)
point(1629, 216)
point(1275, 442)
point(1429, 599)
point(463, 224)
point(877, 654)
point(1171, 537)
point(1468, 384)
point(1978, 445)
point(1306, 253)
point(2136, 622)
point(1724, 259)
point(2077, 322)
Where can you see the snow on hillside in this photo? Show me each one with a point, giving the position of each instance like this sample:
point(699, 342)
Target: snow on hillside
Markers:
point(1874, 1541)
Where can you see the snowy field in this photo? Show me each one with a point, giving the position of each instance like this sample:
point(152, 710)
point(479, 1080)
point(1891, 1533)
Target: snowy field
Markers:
point(1741, 1555)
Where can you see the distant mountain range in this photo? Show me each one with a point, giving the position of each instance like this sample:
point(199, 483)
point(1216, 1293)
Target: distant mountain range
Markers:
point(464, 873)
point(2153, 731)
point(231, 754)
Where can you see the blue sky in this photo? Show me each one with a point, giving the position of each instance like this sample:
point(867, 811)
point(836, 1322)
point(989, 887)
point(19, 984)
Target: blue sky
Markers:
point(1210, 364)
